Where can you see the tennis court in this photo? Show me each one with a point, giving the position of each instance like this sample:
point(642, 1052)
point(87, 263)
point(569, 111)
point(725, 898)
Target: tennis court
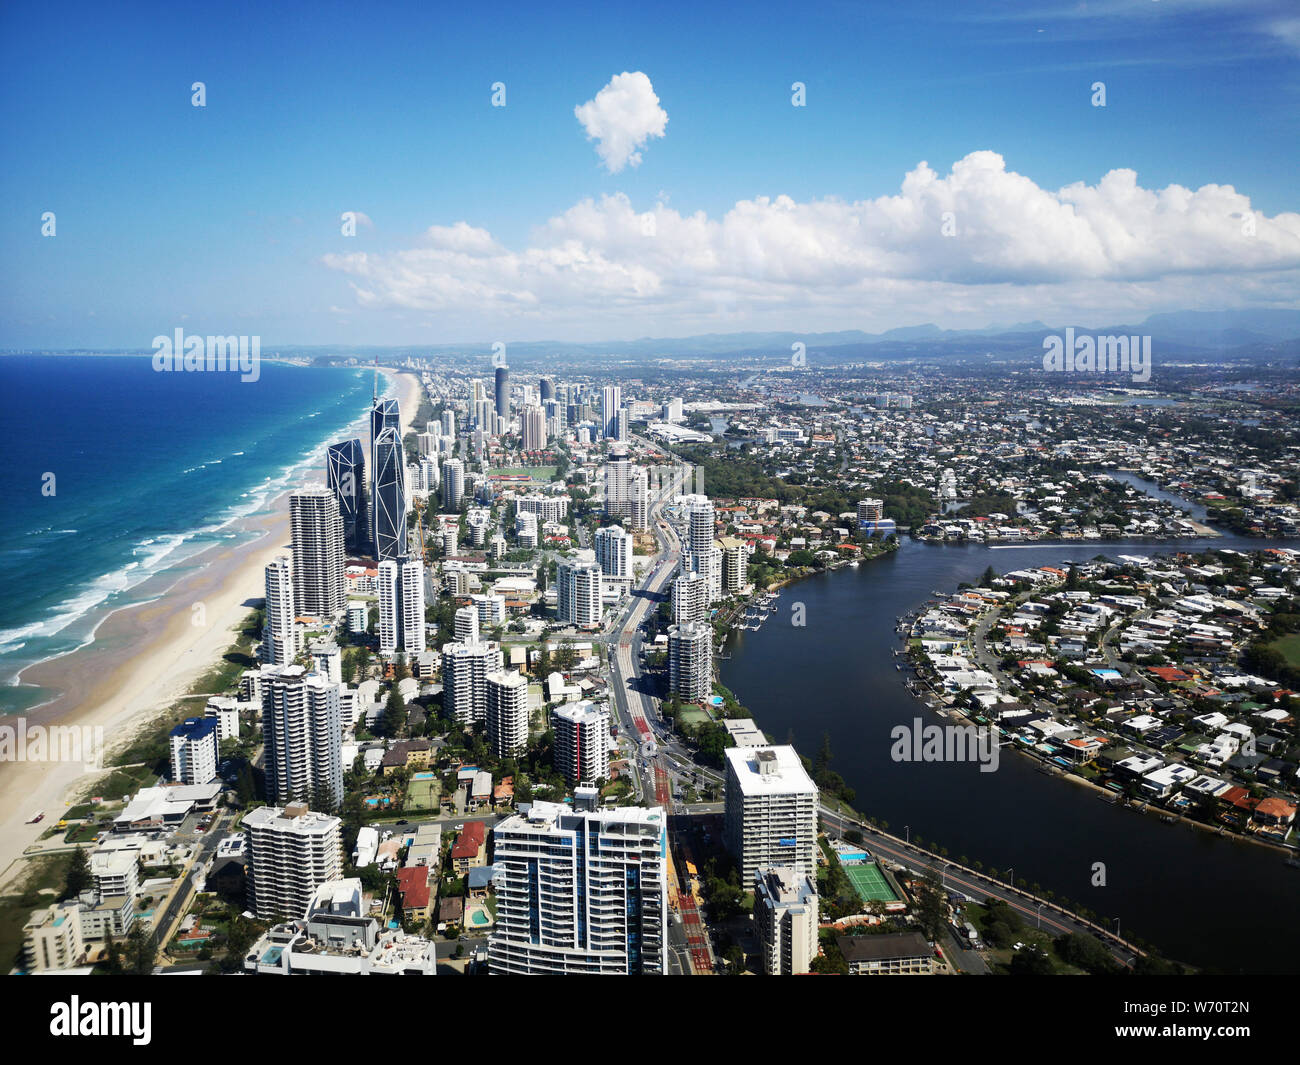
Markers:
point(423, 792)
point(869, 882)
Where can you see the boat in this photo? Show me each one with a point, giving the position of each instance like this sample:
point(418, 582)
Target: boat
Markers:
point(38, 816)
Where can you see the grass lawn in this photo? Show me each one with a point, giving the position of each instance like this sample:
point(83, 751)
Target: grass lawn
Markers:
point(693, 717)
point(1290, 648)
point(537, 473)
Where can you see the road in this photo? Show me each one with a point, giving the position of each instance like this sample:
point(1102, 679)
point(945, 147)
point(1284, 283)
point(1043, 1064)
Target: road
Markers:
point(1039, 913)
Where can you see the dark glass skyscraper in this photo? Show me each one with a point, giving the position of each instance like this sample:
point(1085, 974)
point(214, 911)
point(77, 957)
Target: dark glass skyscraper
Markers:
point(547, 389)
point(345, 474)
point(503, 391)
point(389, 501)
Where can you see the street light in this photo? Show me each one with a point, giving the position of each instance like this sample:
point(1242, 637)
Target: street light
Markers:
point(1040, 916)
point(908, 830)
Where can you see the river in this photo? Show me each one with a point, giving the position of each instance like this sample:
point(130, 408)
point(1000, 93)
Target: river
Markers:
point(1220, 904)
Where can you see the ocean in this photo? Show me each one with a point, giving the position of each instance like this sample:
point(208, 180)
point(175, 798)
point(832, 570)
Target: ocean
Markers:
point(115, 473)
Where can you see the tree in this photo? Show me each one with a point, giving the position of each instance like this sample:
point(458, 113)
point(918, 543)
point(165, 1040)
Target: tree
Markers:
point(78, 877)
point(1030, 962)
point(140, 951)
point(824, 754)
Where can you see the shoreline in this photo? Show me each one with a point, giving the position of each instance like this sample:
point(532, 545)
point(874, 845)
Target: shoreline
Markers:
point(142, 656)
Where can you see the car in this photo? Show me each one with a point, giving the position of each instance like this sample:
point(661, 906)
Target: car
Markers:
point(460, 828)
point(1016, 946)
point(403, 822)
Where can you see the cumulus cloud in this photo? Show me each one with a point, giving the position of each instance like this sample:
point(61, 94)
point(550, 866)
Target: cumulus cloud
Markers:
point(621, 118)
point(979, 242)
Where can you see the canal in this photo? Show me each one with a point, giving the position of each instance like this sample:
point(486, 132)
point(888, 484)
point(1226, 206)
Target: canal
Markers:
point(1216, 903)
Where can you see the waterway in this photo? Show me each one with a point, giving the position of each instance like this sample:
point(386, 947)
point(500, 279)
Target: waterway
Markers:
point(1220, 904)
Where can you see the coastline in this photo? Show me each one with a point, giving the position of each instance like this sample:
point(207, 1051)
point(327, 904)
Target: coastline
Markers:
point(145, 655)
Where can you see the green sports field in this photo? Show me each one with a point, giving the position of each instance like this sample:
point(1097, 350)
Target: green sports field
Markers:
point(869, 882)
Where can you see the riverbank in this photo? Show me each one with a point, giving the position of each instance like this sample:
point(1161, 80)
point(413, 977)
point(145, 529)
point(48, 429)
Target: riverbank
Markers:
point(144, 656)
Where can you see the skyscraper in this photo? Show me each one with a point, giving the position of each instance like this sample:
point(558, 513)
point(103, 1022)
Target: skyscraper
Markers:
point(302, 734)
point(319, 561)
point(546, 389)
point(582, 742)
point(533, 423)
point(503, 392)
point(389, 497)
point(194, 749)
point(771, 811)
point(690, 661)
point(507, 714)
point(611, 401)
point(580, 892)
point(401, 606)
point(614, 553)
point(453, 485)
point(578, 593)
point(345, 474)
point(465, 669)
point(690, 598)
point(290, 852)
point(785, 916)
point(279, 642)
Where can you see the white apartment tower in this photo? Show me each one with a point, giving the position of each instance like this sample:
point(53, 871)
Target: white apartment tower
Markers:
point(465, 669)
point(614, 553)
point(290, 852)
point(302, 732)
point(582, 742)
point(319, 561)
point(465, 624)
point(582, 893)
point(690, 598)
point(453, 485)
point(785, 915)
point(533, 421)
point(771, 811)
point(690, 661)
point(507, 714)
point(401, 606)
point(578, 594)
point(279, 642)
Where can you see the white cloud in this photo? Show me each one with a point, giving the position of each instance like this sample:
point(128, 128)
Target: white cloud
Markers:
point(606, 269)
point(621, 118)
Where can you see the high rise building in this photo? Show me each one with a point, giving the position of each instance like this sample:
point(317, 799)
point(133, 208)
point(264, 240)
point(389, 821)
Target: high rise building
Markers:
point(465, 669)
point(690, 661)
point(389, 500)
point(638, 505)
point(614, 554)
point(194, 750)
point(771, 811)
point(453, 485)
point(449, 424)
point(526, 529)
point(690, 598)
point(279, 641)
point(503, 392)
point(621, 424)
point(611, 402)
point(870, 509)
point(580, 892)
point(302, 734)
point(465, 624)
point(533, 421)
point(582, 742)
point(547, 508)
point(785, 916)
point(578, 593)
point(735, 564)
point(618, 473)
point(401, 606)
point(319, 559)
point(345, 475)
point(289, 853)
point(699, 553)
point(507, 714)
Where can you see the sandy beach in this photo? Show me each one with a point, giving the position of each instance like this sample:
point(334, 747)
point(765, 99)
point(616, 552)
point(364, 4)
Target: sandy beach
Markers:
point(144, 656)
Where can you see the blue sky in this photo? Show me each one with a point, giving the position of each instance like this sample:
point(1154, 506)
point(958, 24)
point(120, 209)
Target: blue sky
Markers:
point(226, 218)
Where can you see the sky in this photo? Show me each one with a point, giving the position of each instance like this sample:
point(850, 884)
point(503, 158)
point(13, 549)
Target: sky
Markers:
point(612, 171)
